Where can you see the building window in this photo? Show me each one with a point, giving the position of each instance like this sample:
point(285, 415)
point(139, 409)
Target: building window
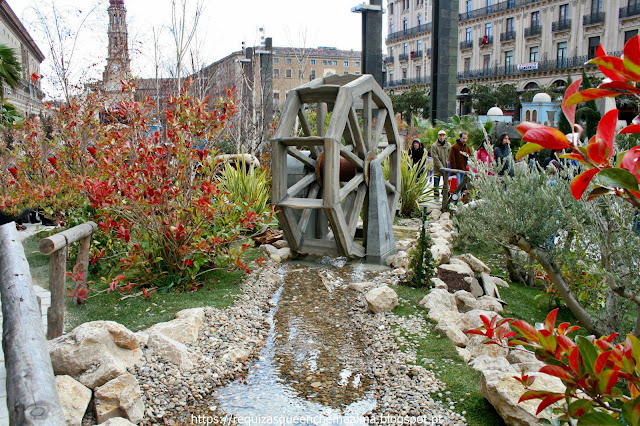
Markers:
point(300, 61)
point(468, 35)
point(508, 59)
point(288, 61)
point(346, 72)
point(358, 62)
point(418, 71)
point(346, 63)
point(487, 29)
point(535, 19)
point(324, 62)
point(593, 46)
point(509, 25)
point(287, 73)
point(489, 4)
point(335, 63)
point(404, 73)
point(405, 25)
point(312, 74)
point(628, 35)
point(276, 60)
point(469, 6)
point(391, 9)
point(276, 73)
point(276, 96)
point(405, 48)
point(313, 62)
point(564, 13)
point(391, 75)
point(419, 45)
point(486, 62)
point(596, 6)
point(390, 28)
point(533, 54)
point(467, 65)
point(562, 53)
point(300, 74)
point(419, 20)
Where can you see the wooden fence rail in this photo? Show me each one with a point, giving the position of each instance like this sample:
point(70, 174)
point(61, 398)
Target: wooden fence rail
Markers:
point(32, 397)
point(445, 172)
point(58, 246)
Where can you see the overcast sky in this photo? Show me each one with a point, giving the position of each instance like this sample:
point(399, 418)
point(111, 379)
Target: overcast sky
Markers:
point(225, 24)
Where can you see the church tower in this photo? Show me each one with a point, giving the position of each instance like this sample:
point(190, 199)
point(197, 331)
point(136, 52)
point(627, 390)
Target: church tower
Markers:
point(118, 63)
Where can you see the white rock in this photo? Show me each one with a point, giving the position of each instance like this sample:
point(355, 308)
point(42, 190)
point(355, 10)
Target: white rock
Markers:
point(171, 350)
point(476, 288)
point(474, 317)
point(400, 260)
point(487, 303)
point(464, 354)
point(495, 280)
point(117, 421)
point(465, 301)
point(184, 328)
point(458, 267)
point(440, 300)
point(440, 253)
point(503, 392)
point(438, 283)
point(236, 355)
point(404, 245)
point(486, 362)
point(74, 398)
point(477, 347)
point(360, 287)
point(435, 214)
point(381, 299)
point(120, 397)
point(281, 244)
point(474, 263)
point(453, 333)
point(268, 249)
point(100, 350)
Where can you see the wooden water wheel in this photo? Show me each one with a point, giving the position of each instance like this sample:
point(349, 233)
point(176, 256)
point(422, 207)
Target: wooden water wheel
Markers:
point(334, 188)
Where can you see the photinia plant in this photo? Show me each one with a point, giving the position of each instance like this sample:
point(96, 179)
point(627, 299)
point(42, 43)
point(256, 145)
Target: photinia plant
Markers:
point(602, 378)
point(615, 174)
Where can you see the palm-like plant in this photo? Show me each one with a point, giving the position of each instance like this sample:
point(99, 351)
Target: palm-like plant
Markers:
point(10, 71)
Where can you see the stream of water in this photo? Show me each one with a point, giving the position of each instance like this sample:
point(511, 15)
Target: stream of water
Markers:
point(313, 363)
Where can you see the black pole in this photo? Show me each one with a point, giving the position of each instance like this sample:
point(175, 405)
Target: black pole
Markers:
point(444, 59)
point(371, 38)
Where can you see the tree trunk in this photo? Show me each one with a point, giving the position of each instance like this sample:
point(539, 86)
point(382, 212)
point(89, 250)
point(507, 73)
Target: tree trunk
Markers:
point(585, 319)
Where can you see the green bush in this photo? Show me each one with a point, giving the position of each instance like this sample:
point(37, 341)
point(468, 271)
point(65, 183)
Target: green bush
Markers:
point(247, 186)
point(414, 188)
point(428, 265)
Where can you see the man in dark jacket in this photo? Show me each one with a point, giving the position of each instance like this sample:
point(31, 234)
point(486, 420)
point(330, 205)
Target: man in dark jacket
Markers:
point(459, 155)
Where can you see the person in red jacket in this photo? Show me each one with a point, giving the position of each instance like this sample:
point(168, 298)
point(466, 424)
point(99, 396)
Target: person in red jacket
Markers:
point(459, 155)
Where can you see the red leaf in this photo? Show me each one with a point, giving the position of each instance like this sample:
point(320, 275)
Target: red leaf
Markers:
point(575, 360)
point(620, 85)
point(613, 67)
point(550, 321)
point(574, 156)
point(565, 343)
point(548, 401)
point(547, 137)
point(601, 361)
point(570, 110)
point(580, 183)
point(631, 57)
point(528, 125)
point(526, 329)
point(535, 394)
point(615, 63)
point(631, 161)
point(602, 147)
point(589, 95)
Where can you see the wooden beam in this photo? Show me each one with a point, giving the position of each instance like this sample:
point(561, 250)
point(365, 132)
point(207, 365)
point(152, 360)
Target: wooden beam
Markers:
point(299, 142)
point(380, 119)
point(353, 159)
point(64, 238)
point(300, 203)
point(357, 135)
point(32, 395)
point(354, 211)
point(326, 93)
point(306, 214)
point(301, 184)
point(368, 121)
point(295, 153)
point(389, 187)
point(289, 113)
point(306, 128)
point(351, 185)
point(331, 176)
point(287, 223)
point(387, 151)
point(320, 247)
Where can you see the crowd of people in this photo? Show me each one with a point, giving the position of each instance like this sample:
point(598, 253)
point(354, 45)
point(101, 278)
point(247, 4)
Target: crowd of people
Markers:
point(496, 156)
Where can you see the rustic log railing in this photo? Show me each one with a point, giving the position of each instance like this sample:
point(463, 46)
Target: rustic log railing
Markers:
point(32, 397)
point(58, 247)
point(445, 172)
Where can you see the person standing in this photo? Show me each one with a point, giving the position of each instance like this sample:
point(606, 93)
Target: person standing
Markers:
point(416, 152)
point(459, 155)
point(502, 152)
point(440, 154)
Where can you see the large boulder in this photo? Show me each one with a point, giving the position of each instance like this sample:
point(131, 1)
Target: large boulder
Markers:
point(439, 299)
point(453, 332)
point(438, 283)
point(74, 398)
point(474, 263)
point(441, 253)
point(361, 286)
point(281, 255)
point(495, 280)
point(503, 392)
point(473, 317)
point(459, 266)
point(478, 348)
point(171, 350)
point(474, 285)
point(268, 249)
point(95, 352)
point(184, 328)
point(486, 362)
point(465, 301)
point(120, 397)
point(381, 299)
point(400, 260)
point(487, 303)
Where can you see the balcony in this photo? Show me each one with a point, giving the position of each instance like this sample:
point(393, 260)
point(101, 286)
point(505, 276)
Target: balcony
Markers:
point(593, 19)
point(507, 36)
point(533, 31)
point(562, 25)
point(403, 57)
point(418, 54)
point(483, 42)
point(388, 60)
point(408, 82)
point(630, 11)
point(419, 29)
point(467, 44)
point(494, 8)
point(543, 66)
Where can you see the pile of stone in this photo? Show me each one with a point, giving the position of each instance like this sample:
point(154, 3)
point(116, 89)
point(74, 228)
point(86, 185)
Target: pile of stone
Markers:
point(119, 377)
point(279, 251)
point(458, 312)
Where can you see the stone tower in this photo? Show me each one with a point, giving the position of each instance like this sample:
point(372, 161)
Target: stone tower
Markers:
point(118, 63)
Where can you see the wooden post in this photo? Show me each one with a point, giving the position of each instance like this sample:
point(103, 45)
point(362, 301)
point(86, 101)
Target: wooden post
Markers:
point(83, 260)
point(57, 278)
point(445, 189)
point(32, 397)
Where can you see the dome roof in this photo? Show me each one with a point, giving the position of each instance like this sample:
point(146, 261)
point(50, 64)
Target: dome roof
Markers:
point(541, 97)
point(495, 111)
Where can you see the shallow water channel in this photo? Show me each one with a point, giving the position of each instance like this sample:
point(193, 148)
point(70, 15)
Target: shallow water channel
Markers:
point(313, 363)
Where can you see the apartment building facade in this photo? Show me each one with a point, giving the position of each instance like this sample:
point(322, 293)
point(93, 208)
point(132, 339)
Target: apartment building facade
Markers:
point(27, 97)
point(528, 43)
